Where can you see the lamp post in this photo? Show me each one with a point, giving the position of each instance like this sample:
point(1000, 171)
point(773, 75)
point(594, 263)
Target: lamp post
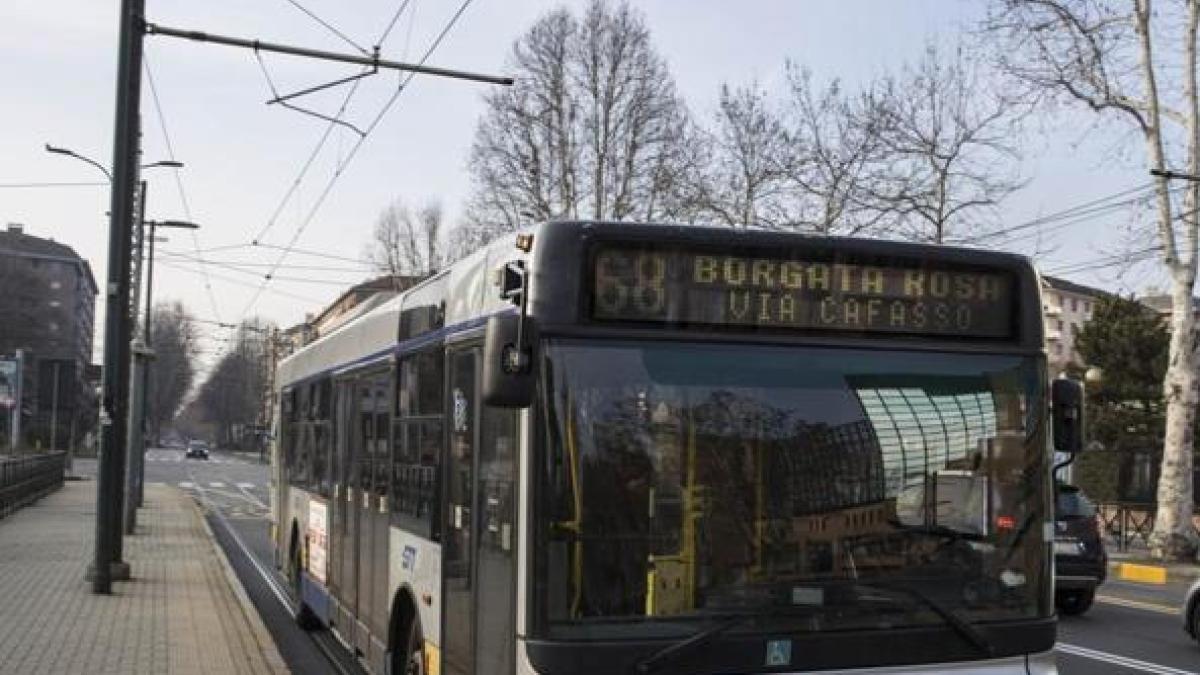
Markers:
point(143, 354)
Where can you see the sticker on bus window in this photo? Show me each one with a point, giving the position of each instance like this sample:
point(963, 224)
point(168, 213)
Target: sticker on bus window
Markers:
point(318, 540)
point(460, 411)
point(779, 653)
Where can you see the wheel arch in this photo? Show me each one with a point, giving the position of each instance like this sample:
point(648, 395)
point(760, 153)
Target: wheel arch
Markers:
point(403, 614)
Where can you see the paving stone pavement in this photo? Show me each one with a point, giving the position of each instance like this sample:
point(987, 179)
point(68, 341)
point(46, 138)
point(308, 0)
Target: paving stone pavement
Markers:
point(180, 614)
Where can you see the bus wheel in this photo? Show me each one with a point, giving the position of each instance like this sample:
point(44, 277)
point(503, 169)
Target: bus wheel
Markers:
point(409, 656)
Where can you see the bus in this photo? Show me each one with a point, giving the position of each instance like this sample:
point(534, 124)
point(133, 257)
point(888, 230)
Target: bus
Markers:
point(599, 447)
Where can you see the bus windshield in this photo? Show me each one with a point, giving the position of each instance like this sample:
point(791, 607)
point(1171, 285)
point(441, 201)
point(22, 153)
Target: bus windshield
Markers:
point(827, 489)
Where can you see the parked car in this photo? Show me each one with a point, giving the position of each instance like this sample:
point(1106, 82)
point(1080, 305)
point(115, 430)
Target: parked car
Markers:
point(1080, 561)
point(1191, 611)
point(196, 450)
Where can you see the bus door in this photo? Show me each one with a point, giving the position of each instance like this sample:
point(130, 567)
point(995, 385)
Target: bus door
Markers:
point(372, 439)
point(342, 539)
point(479, 547)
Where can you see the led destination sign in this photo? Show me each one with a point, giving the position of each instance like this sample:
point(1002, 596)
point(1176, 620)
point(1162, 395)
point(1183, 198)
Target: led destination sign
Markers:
point(787, 290)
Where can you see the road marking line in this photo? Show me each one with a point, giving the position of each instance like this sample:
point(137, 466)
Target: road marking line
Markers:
point(1138, 604)
point(1146, 574)
point(1117, 659)
point(216, 485)
point(187, 485)
point(244, 488)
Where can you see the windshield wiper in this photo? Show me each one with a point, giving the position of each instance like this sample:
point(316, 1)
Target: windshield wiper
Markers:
point(964, 628)
point(688, 645)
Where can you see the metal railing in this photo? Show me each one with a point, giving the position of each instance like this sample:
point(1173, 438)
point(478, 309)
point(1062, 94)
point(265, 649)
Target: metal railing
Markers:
point(26, 478)
point(1129, 524)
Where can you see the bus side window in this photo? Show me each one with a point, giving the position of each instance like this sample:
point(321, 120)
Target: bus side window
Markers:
point(302, 442)
point(321, 438)
point(417, 443)
point(383, 422)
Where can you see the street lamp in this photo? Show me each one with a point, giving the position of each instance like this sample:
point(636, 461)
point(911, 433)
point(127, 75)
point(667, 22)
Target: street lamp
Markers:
point(72, 153)
point(166, 163)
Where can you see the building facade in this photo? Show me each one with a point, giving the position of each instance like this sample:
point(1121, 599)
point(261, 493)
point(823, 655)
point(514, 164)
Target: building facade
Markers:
point(1066, 307)
point(47, 310)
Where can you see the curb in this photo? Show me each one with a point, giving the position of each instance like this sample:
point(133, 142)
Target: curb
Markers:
point(262, 636)
point(1152, 573)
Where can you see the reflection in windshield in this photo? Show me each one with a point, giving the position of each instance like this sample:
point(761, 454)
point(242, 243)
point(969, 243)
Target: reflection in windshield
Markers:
point(687, 480)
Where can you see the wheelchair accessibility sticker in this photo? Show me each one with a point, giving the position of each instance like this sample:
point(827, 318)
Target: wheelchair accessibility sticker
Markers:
point(779, 652)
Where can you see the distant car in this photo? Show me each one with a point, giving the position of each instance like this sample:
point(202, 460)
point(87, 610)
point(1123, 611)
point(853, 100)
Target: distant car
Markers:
point(1191, 611)
point(1080, 561)
point(196, 450)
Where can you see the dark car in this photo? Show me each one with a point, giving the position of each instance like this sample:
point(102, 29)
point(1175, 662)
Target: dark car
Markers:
point(1080, 562)
point(196, 450)
point(1191, 611)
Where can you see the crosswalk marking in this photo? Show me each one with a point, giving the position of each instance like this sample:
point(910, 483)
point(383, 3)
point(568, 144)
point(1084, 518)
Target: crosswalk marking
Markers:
point(180, 458)
point(189, 485)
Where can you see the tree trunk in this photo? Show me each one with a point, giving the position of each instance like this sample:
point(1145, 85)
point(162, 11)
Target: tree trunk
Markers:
point(1174, 537)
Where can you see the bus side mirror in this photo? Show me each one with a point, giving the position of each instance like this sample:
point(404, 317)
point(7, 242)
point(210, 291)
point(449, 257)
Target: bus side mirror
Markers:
point(509, 372)
point(1066, 401)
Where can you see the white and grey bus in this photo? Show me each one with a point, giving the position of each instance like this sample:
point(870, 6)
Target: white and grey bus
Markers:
point(629, 448)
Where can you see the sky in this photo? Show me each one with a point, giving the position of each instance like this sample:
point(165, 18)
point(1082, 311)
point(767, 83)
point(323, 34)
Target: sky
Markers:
point(241, 181)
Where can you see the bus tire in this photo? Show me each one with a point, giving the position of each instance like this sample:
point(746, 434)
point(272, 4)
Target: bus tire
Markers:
point(408, 653)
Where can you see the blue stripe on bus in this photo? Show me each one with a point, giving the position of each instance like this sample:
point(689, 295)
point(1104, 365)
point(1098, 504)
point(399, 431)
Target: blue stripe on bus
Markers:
point(401, 348)
point(316, 596)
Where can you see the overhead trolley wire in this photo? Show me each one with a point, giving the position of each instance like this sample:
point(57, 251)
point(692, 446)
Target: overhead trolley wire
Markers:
point(53, 184)
point(240, 282)
point(335, 121)
point(183, 200)
point(1089, 208)
point(406, 79)
point(341, 283)
point(360, 269)
point(328, 26)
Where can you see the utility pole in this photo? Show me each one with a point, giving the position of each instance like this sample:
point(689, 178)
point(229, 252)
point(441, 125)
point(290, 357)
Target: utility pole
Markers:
point(107, 564)
point(54, 410)
point(147, 329)
point(15, 441)
point(133, 445)
point(143, 356)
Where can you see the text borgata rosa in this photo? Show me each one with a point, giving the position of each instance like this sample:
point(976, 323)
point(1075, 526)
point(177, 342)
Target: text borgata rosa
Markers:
point(755, 291)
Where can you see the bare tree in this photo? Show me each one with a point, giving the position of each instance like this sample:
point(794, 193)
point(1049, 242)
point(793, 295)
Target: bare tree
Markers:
point(593, 128)
point(834, 143)
point(746, 181)
point(948, 151)
point(1118, 59)
point(406, 243)
point(232, 396)
point(173, 331)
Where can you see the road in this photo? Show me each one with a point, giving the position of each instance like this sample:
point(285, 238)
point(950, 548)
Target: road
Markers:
point(1132, 628)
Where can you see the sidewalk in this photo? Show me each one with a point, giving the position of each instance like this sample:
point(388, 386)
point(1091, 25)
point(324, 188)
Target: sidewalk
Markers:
point(183, 612)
